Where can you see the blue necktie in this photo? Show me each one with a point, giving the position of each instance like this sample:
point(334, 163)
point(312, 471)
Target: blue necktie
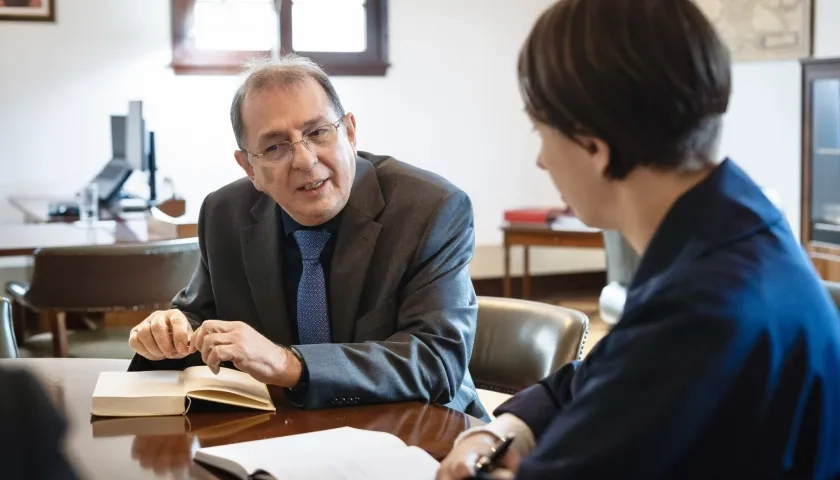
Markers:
point(312, 316)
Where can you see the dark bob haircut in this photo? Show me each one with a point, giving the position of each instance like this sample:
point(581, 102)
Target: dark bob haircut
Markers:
point(651, 78)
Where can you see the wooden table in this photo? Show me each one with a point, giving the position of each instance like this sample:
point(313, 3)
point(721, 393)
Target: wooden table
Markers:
point(567, 232)
point(131, 448)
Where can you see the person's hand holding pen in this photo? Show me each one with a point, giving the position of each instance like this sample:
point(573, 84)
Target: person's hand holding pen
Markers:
point(480, 455)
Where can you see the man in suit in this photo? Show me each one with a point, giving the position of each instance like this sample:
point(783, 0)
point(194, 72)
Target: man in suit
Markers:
point(339, 275)
point(726, 361)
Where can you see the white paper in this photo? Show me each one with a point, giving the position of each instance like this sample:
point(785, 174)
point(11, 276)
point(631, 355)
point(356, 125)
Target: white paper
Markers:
point(343, 453)
point(154, 383)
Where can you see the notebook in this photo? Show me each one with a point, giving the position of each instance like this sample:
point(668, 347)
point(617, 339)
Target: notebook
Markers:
point(169, 392)
point(344, 453)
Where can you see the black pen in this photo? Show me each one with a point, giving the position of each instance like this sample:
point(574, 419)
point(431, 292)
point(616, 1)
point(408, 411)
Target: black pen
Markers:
point(486, 462)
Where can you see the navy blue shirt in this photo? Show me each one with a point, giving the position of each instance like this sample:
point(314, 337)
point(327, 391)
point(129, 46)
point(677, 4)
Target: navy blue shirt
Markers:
point(293, 264)
point(725, 363)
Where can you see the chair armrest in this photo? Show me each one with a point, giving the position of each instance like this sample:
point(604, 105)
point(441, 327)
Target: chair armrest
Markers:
point(17, 290)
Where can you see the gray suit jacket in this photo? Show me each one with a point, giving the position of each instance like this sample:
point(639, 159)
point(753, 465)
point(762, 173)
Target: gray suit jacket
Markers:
point(402, 305)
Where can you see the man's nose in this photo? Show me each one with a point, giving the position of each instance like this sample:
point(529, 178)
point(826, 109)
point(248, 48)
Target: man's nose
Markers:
point(303, 158)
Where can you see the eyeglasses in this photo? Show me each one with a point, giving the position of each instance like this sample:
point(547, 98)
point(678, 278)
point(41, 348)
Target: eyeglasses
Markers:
point(318, 138)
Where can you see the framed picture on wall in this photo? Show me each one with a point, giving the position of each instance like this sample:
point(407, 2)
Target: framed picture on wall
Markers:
point(763, 30)
point(27, 10)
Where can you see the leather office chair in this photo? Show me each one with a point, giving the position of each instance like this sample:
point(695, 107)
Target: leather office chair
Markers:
point(119, 277)
point(520, 342)
point(8, 345)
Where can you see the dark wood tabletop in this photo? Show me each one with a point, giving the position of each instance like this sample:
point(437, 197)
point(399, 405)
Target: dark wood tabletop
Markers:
point(129, 448)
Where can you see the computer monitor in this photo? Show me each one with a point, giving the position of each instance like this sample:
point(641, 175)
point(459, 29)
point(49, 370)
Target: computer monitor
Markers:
point(118, 134)
point(136, 145)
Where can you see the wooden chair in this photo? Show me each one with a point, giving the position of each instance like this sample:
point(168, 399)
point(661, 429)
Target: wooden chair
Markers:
point(119, 277)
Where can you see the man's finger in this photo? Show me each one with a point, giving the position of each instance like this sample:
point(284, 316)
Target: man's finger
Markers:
point(162, 335)
point(144, 334)
point(197, 339)
point(136, 345)
point(217, 326)
point(219, 354)
point(212, 340)
point(181, 330)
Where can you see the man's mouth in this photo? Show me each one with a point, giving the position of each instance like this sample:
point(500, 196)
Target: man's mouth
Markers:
point(313, 186)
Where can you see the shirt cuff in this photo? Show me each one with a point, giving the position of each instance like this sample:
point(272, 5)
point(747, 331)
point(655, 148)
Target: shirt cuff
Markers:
point(504, 425)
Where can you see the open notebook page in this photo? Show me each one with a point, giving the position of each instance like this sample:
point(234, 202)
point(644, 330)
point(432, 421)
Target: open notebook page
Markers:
point(408, 463)
point(345, 453)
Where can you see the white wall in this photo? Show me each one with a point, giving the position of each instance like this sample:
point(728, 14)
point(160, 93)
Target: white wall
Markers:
point(449, 103)
point(827, 28)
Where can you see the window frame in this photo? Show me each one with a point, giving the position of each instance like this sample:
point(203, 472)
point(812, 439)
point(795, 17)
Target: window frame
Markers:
point(188, 60)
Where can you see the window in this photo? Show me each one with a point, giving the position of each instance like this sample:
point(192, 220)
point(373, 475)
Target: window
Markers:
point(346, 37)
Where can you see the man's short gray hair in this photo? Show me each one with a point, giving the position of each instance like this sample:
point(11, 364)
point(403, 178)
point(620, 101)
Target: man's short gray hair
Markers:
point(279, 72)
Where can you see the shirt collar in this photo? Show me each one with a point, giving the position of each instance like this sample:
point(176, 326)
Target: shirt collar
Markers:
point(290, 225)
point(725, 205)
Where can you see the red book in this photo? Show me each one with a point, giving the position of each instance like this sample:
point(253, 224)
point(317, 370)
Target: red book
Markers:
point(534, 214)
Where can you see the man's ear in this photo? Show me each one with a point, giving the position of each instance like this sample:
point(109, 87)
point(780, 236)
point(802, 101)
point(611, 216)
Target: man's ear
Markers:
point(350, 125)
point(242, 159)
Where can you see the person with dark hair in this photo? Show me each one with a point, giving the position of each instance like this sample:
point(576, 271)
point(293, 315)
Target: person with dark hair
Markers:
point(726, 361)
point(34, 430)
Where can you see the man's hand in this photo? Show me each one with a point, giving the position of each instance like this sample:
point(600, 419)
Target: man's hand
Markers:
point(162, 335)
point(224, 341)
point(460, 463)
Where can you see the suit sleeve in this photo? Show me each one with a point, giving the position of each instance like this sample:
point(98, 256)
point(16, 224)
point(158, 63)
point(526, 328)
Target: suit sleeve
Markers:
point(195, 301)
point(426, 359)
point(635, 404)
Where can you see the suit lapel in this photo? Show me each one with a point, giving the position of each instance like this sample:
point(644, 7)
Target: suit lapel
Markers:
point(354, 249)
point(263, 267)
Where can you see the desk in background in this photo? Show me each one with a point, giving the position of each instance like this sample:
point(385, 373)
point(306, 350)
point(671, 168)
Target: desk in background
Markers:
point(161, 446)
point(36, 209)
point(567, 232)
point(38, 230)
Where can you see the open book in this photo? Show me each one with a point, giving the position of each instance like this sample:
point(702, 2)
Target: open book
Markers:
point(168, 392)
point(341, 453)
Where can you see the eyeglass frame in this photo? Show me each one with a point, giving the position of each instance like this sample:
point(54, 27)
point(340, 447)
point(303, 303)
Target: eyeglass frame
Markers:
point(291, 145)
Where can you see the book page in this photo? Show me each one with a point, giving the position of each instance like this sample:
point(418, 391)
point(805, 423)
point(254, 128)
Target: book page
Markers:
point(310, 455)
point(138, 393)
point(156, 383)
point(231, 381)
